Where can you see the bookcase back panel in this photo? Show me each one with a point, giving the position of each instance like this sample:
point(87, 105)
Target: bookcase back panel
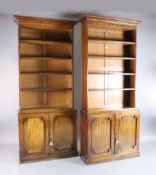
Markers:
point(49, 50)
point(31, 81)
point(113, 35)
point(58, 81)
point(96, 81)
point(37, 99)
point(59, 51)
point(34, 65)
point(65, 36)
point(61, 65)
point(36, 81)
point(105, 34)
point(114, 81)
point(111, 98)
point(110, 81)
point(31, 49)
point(114, 50)
point(114, 65)
point(114, 98)
point(61, 99)
point(95, 65)
point(48, 35)
point(96, 99)
point(31, 65)
point(111, 65)
point(30, 99)
point(119, 81)
point(111, 49)
point(28, 33)
point(105, 49)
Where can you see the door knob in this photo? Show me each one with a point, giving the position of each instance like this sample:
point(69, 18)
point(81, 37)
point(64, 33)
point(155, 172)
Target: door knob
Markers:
point(117, 141)
point(51, 143)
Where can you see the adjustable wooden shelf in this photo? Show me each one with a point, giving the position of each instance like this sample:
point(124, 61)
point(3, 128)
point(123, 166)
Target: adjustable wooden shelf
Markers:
point(47, 118)
point(109, 118)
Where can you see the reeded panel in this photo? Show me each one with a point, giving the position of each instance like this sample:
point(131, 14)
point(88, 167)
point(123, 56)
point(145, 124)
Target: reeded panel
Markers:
point(128, 132)
point(102, 133)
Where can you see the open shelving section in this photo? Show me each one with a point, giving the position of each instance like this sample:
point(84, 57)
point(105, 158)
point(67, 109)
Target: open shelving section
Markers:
point(46, 62)
point(111, 68)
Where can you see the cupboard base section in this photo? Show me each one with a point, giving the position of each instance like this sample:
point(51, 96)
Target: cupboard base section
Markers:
point(109, 135)
point(32, 158)
point(47, 135)
point(101, 159)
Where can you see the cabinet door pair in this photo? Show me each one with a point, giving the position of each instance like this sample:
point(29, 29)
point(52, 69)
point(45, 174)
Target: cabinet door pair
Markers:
point(113, 133)
point(42, 134)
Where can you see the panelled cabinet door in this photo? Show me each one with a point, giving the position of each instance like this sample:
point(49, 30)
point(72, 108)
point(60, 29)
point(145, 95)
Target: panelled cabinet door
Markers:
point(33, 131)
point(127, 139)
point(62, 131)
point(102, 134)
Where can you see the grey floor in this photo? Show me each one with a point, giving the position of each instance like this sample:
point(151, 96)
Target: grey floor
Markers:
point(143, 165)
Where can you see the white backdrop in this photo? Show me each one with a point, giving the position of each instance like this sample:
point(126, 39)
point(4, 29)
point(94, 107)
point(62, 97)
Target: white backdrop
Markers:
point(8, 78)
point(146, 77)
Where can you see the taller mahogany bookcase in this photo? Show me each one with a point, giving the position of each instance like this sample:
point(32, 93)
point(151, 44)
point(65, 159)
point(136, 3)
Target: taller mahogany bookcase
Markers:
point(47, 118)
point(109, 118)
